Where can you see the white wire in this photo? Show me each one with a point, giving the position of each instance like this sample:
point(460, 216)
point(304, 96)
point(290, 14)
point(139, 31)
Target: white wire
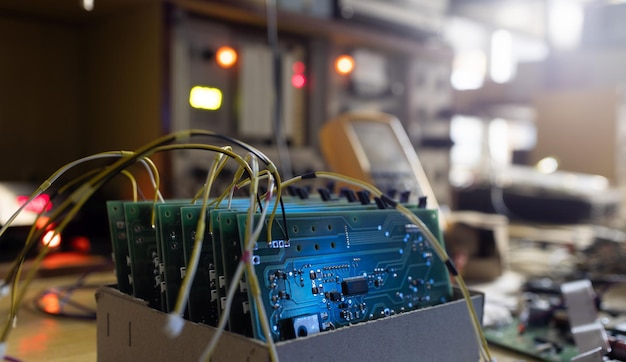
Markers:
point(174, 324)
point(46, 184)
point(249, 245)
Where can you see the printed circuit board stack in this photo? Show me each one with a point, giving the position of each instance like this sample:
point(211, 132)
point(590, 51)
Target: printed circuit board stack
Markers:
point(328, 264)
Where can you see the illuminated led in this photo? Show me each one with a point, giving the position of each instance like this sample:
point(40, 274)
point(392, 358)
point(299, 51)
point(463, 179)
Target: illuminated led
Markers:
point(298, 80)
point(205, 98)
point(41, 222)
point(38, 205)
point(51, 239)
point(88, 5)
point(298, 68)
point(226, 57)
point(548, 165)
point(81, 244)
point(344, 64)
point(50, 303)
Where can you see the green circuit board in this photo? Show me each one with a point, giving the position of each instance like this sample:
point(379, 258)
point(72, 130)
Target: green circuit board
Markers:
point(143, 253)
point(171, 250)
point(203, 299)
point(227, 249)
point(226, 224)
point(119, 243)
point(541, 342)
point(330, 264)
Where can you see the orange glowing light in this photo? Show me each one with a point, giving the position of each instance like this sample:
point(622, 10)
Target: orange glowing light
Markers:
point(81, 244)
point(41, 222)
point(51, 239)
point(50, 303)
point(226, 57)
point(344, 64)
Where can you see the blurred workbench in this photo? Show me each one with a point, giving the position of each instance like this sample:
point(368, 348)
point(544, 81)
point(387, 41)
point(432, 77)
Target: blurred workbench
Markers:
point(42, 337)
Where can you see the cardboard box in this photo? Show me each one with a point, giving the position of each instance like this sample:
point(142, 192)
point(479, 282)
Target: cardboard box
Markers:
point(128, 330)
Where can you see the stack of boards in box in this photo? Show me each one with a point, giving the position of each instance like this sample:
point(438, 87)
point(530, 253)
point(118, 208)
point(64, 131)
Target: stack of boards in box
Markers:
point(330, 263)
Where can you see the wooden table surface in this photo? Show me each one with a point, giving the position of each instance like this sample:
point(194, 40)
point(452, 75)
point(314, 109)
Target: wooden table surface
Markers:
point(41, 337)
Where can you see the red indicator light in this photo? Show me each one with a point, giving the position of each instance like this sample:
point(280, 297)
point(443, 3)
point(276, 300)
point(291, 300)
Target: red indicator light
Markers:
point(81, 244)
point(298, 80)
point(38, 205)
point(298, 68)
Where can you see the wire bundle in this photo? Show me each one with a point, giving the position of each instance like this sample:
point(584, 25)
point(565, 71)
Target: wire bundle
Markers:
point(253, 169)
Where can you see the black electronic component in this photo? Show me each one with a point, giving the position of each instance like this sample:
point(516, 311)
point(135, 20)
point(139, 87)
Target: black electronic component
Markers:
point(303, 193)
point(364, 197)
point(349, 194)
point(334, 296)
point(404, 196)
point(330, 185)
point(324, 194)
point(421, 203)
point(354, 286)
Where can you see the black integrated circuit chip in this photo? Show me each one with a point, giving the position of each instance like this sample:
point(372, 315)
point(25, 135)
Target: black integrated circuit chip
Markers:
point(354, 286)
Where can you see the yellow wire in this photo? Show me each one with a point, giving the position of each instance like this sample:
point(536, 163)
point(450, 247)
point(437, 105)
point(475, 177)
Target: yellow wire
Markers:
point(263, 175)
point(133, 181)
point(155, 173)
point(183, 294)
point(253, 285)
point(219, 169)
point(79, 196)
point(155, 199)
point(250, 241)
point(433, 241)
point(34, 234)
point(82, 193)
point(238, 272)
point(51, 180)
point(14, 274)
point(17, 299)
point(237, 176)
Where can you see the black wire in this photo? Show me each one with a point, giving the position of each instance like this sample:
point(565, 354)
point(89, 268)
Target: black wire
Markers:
point(239, 143)
point(282, 208)
point(64, 294)
point(258, 200)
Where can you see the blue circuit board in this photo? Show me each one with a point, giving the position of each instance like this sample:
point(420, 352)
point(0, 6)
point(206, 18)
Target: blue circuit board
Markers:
point(342, 267)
